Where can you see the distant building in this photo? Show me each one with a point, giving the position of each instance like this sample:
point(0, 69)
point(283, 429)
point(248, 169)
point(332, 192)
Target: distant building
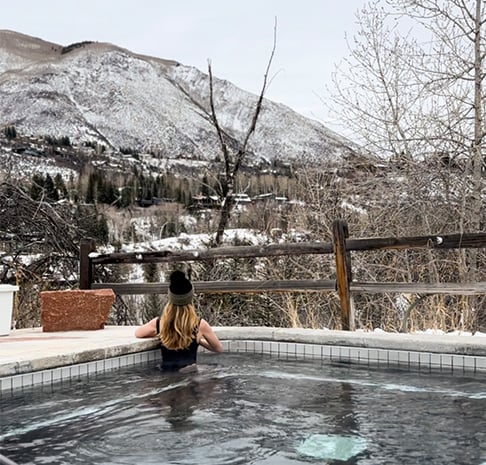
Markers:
point(242, 198)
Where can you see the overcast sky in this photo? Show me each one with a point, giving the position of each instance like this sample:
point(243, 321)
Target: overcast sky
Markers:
point(237, 36)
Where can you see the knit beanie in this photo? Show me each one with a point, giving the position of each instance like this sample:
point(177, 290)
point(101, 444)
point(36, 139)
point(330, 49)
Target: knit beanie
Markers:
point(181, 290)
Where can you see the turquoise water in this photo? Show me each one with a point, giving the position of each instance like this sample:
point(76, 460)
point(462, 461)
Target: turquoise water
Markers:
point(247, 409)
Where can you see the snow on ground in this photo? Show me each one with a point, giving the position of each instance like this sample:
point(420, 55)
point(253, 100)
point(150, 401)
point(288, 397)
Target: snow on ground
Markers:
point(433, 332)
point(183, 242)
point(191, 241)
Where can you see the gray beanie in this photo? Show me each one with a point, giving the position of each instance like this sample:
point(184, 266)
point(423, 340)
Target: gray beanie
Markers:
point(181, 290)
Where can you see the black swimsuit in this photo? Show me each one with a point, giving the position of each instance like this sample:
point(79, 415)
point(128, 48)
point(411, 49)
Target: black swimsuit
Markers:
point(174, 360)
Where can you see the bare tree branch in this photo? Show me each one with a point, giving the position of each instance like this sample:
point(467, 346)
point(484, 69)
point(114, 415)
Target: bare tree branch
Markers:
point(232, 167)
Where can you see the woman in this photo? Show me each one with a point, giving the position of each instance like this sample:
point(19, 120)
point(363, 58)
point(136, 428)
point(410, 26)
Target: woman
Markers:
point(179, 328)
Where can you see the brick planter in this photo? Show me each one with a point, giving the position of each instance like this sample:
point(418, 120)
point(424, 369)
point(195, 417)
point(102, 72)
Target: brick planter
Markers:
point(76, 310)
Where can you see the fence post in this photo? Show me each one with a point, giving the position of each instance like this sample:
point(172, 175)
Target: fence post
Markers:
point(343, 272)
point(86, 246)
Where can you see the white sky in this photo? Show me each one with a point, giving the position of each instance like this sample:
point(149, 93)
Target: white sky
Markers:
point(237, 36)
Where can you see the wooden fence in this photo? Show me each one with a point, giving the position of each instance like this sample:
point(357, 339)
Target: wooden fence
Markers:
point(341, 246)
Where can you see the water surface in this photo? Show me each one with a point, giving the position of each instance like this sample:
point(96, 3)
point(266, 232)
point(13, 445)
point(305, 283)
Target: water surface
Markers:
point(249, 409)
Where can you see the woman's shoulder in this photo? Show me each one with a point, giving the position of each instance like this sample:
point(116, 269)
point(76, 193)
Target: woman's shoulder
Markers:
point(149, 329)
point(204, 325)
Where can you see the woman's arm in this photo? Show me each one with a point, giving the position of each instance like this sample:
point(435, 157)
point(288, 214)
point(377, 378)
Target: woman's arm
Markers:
point(207, 338)
point(148, 329)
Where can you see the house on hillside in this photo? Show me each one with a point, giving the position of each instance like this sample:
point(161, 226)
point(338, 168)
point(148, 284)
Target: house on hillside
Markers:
point(270, 197)
point(264, 197)
point(242, 199)
point(144, 203)
point(201, 201)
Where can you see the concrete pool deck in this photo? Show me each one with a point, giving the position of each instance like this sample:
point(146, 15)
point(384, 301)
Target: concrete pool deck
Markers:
point(32, 350)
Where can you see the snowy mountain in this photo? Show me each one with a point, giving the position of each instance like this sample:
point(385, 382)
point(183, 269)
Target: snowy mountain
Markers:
point(98, 92)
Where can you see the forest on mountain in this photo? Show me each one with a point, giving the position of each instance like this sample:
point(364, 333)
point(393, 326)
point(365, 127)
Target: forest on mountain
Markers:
point(413, 101)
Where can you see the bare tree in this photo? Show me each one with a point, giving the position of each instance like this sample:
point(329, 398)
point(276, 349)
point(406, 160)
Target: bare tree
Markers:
point(456, 77)
point(412, 90)
point(39, 245)
point(233, 162)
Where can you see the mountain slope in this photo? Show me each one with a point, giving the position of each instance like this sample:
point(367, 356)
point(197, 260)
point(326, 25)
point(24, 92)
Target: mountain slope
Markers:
point(101, 92)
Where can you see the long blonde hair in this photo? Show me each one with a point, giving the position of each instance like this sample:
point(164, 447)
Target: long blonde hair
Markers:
point(177, 326)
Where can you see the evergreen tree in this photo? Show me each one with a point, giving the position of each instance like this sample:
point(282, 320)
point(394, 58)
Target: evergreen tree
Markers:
point(160, 187)
point(102, 230)
point(37, 186)
point(152, 306)
point(10, 132)
point(102, 188)
point(92, 223)
point(50, 189)
point(60, 186)
point(205, 188)
point(64, 141)
point(91, 189)
point(125, 197)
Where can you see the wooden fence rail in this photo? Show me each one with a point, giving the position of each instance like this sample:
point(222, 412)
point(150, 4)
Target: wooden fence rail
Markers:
point(340, 247)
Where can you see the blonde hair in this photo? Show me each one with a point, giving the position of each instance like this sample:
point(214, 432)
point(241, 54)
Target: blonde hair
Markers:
point(177, 326)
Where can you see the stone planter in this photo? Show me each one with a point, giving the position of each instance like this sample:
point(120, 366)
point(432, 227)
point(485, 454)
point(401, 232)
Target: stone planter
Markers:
point(76, 310)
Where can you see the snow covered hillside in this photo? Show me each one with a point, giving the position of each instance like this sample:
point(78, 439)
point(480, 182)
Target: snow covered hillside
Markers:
point(103, 93)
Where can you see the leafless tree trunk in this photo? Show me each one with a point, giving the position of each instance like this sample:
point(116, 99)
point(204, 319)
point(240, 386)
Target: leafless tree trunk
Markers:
point(233, 163)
